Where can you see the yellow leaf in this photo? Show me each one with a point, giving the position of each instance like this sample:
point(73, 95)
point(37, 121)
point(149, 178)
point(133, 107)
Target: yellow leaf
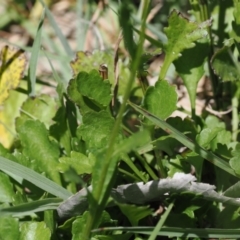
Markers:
point(13, 63)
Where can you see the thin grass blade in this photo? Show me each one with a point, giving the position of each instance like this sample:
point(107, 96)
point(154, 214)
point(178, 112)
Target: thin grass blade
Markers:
point(34, 56)
point(179, 232)
point(217, 161)
point(31, 207)
point(34, 177)
point(58, 31)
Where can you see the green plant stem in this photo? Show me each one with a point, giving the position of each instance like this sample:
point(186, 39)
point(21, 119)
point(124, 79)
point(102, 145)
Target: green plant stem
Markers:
point(204, 15)
point(128, 174)
point(94, 213)
point(162, 220)
point(164, 68)
point(162, 171)
point(129, 162)
point(145, 165)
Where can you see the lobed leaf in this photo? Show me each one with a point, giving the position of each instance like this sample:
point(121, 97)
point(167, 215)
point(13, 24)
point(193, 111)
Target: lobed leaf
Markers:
point(93, 87)
point(42, 108)
point(224, 66)
point(37, 146)
point(95, 129)
point(181, 35)
point(78, 161)
point(85, 61)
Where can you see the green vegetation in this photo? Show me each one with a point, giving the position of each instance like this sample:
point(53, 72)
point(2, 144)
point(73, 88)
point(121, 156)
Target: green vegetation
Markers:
point(97, 149)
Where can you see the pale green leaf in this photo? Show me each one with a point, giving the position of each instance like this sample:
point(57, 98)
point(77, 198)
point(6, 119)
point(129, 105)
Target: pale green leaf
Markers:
point(6, 189)
point(37, 146)
point(42, 108)
point(78, 161)
point(9, 228)
point(34, 231)
point(96, 128)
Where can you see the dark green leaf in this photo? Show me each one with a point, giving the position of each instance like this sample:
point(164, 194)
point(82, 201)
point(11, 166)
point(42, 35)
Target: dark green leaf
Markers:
point(92, 86)
point(190, 68)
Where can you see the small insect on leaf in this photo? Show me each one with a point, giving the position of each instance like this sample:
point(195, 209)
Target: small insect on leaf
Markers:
point(12, 66)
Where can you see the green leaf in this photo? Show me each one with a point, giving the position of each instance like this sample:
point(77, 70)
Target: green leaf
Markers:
point(214, 135)
point(76, 97)
point(161, 99)
point(9, 228)
point(42, 108)
point(228, 218)
point(34, 231)
point(214, 159)
point(96, 128)
point(233, 191)
point(206, 136)
point(181, 35)
point(92, 86)
point(78, 161)
point(6, 189)
point(224, 66)
point(234, 161)
point(78, 226)
point(135, 213)
point(65, 125)
point(190, 68)
point(133, 142)
point(38, 147)
point(178, 165)
point(88, 61)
